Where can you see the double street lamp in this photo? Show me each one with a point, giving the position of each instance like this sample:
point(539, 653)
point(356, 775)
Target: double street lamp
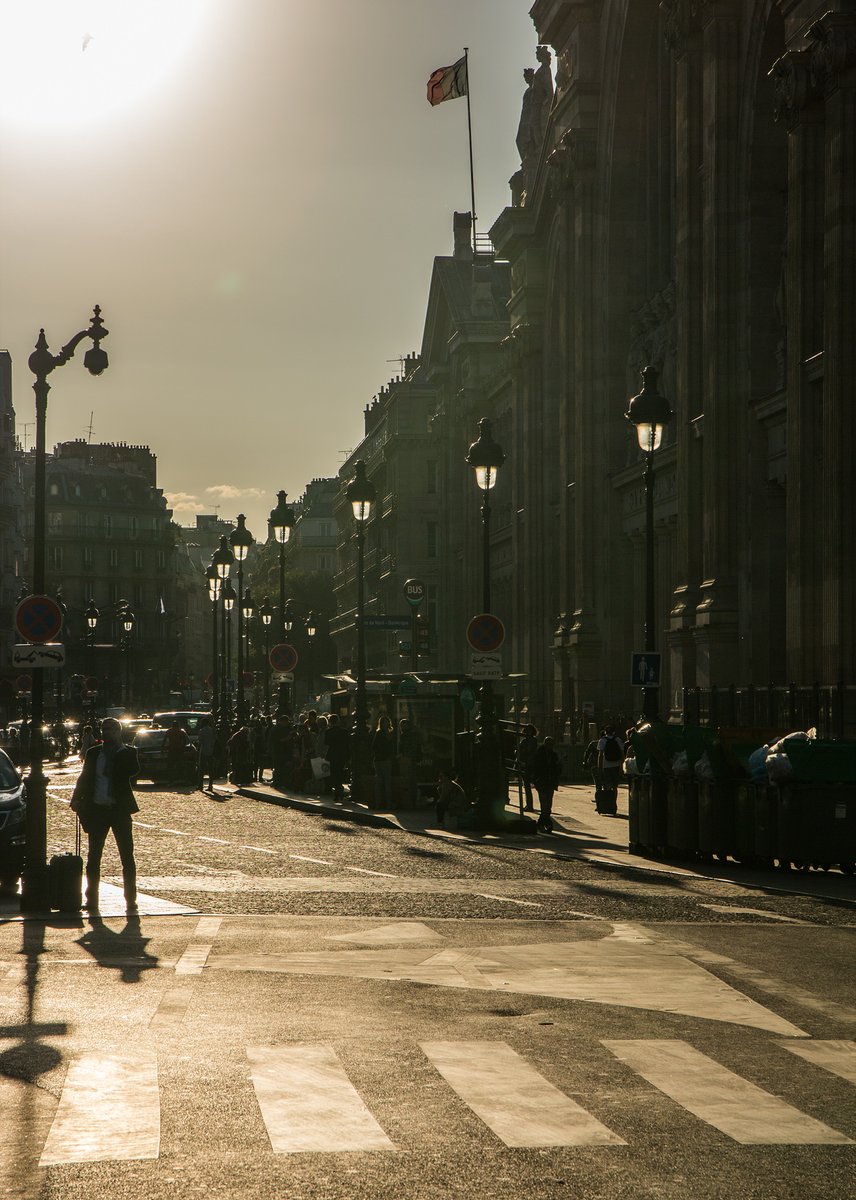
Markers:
point(486, 457)
point(34, 882)
point(241, 539)
point(361, 493)
point(649, 412)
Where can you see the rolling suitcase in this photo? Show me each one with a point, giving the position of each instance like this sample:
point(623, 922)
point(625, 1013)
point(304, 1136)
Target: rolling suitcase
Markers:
point(65, 878)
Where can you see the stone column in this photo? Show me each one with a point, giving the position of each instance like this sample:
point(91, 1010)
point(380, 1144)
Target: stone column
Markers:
point(799, 106)
point(835, 69)
point(725, 378)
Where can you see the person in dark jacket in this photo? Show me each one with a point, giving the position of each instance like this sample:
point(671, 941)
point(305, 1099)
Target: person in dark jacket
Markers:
point(104, 799)
point(526, 752)
point(546, 772)
point(338, 753)
point(383, 752)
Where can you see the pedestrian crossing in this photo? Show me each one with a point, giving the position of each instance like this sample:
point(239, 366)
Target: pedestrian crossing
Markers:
point(309, 1102)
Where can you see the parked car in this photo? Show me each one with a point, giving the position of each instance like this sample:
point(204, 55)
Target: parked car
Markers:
point(150, 745)
point(13, 813)
point(188, 720)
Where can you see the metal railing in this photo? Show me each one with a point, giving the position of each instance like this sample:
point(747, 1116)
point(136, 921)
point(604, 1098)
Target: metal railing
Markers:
point(828, 708)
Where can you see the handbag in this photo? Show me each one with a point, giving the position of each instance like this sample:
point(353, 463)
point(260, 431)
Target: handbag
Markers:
point(320, 768)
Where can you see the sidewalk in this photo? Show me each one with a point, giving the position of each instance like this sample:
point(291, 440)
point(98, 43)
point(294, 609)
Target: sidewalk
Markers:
point(579, 833)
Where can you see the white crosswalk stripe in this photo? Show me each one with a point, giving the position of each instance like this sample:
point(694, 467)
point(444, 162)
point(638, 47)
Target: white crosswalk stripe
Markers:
point(741, 1110)
point(109, 1108)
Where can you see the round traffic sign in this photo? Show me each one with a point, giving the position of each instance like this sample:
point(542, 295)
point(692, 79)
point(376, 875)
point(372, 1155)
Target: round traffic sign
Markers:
point(38, 619)
point(485, 633)
point(467, 698)
point(24, 683)
point(414, 592)
point(283, 658)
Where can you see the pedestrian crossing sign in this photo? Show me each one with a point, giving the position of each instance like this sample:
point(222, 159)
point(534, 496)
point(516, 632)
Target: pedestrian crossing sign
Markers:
point(645, 668)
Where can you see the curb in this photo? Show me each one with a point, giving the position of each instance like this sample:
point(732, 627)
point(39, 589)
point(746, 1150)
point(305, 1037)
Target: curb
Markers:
point(309, 805)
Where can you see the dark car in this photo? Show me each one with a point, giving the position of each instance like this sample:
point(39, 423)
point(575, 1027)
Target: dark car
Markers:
point(150, 745)
point(13, 813)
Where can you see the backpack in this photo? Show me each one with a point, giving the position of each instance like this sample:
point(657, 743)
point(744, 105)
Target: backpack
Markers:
point(613, 751)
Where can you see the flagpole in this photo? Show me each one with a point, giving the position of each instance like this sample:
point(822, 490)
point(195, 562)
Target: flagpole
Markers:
point(470, 136)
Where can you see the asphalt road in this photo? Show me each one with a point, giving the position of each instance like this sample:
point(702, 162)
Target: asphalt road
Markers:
point(324, 1009)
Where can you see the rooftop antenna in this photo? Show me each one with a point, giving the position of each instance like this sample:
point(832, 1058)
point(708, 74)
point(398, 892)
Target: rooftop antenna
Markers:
point(401, 360)
point(89, 431)
point(25, 425)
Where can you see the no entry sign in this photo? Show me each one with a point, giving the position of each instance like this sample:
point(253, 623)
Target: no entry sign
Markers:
point(38, 619)
point(283, 658)
point(485, 633)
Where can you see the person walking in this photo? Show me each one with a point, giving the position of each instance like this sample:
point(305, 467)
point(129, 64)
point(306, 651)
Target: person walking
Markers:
point(546, 773)
point(610, 755)
point(526, 752)
point(383, 752)
point(408, 755)
point(104, 799)
point(590, 763)
point(338, 754)
point(207, 753)
point(175, 743)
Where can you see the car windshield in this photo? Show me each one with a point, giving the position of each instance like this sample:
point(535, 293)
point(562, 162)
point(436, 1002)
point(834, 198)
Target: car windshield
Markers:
point(150, 739)
point(9, 778)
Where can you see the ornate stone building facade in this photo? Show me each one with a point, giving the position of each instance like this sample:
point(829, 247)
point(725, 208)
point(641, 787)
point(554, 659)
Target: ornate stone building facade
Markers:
point(692, 205)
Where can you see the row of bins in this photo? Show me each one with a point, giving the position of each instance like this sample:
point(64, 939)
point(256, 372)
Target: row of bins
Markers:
point(796, 824)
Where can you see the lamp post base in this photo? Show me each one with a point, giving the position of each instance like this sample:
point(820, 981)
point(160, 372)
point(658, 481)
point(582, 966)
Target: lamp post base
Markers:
point(35, 896)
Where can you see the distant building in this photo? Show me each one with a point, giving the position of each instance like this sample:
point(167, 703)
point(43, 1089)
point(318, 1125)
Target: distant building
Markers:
point(313, 542)
point(110, 538)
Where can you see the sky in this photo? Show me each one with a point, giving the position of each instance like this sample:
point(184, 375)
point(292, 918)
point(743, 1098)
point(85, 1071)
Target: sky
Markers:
point(254, 192)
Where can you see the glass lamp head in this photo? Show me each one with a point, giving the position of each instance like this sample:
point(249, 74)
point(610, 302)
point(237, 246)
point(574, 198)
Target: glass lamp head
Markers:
point(281, 519)
point(361, 493)
point(241, 539)
point(649, 412)
point(485, 456)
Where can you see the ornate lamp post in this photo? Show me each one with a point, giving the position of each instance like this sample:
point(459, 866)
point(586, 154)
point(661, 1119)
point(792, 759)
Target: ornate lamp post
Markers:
point(649, 412)
point(241, 539)
point(247, 609)
point(362, 494)
point(311, 630)
point(281, 522)
point(486, 457)
point(92, 616)
point(59, 685)
point(227, 595)
point(34, 882)
point(128, 623)
point(267, 615)
point(215, 583)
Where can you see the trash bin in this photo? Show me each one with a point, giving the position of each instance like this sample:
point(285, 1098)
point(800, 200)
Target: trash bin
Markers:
point(717, 819)
point(652, 814)
point(817, 825)
point(756, 823)
point(682, 817)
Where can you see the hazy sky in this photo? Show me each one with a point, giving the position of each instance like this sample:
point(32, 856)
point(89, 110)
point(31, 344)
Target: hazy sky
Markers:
point(253, 191)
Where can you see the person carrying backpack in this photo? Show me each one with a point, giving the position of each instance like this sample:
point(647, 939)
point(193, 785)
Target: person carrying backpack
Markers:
point(590, 764)
point(610, 755)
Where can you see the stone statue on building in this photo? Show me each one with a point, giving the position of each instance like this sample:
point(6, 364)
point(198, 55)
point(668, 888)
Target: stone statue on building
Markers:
point(526, 135)
point(535, 110)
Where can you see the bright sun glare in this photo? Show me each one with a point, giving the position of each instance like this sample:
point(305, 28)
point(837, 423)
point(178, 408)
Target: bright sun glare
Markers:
point(63, 61)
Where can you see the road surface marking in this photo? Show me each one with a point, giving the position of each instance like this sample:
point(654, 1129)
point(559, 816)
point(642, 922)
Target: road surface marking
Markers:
point(839, 1057)
point(753, 912)
point(260, 849)
point(220, 841)
point(302, 858)
point(207, 927)
point(145, 824)
point(510, 900)
point(109, 1109)
point(366, 871)
point(383, 935)
point(739, 1109)
point(173, 1005)
point(177, 832)
point(193, 960)
point(308, 1103)
point(513, 1099)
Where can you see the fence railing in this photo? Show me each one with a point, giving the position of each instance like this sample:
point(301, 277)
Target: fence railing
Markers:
point(828, 708)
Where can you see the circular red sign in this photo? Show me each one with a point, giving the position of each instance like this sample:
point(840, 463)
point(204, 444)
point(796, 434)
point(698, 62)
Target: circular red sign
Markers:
point(38, 619)
point(283, 658)
point(485, 633)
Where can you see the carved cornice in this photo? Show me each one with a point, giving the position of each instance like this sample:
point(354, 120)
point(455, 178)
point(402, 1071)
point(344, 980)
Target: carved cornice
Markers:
point(796, 86)
point(833, 52)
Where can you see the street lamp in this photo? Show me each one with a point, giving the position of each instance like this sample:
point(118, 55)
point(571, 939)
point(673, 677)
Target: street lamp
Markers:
point(247, 610)
point(361, 493)
point(92, 614)
point(227, 596)
point(311, 629)
point(241, 539)
point(59, 685)
point(486, 457)
point(267, 615)
point(34, 882)
point(650, 413)
point(215, 583)
point(281, 523)
point(128, 623)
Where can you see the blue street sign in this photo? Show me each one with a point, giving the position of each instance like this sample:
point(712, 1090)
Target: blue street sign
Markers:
point(645, 668)
point(388, 623)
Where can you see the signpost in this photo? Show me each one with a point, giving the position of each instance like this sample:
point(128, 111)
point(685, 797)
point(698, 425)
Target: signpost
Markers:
point(387, 624)
point(645, 668)
point(282, 658)
point(485, 633)
point(38, 619)
point(48, 654)
point(486, 666)
point(414, 594)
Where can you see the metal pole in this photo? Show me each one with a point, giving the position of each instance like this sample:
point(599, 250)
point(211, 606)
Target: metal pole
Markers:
point(470, 137)
point(414, 639)
point(240, 643)
point(486, 553)
point(215, 681)
point(650, 702)
point(361, 711)
point(282, 591)
point(267, 669)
